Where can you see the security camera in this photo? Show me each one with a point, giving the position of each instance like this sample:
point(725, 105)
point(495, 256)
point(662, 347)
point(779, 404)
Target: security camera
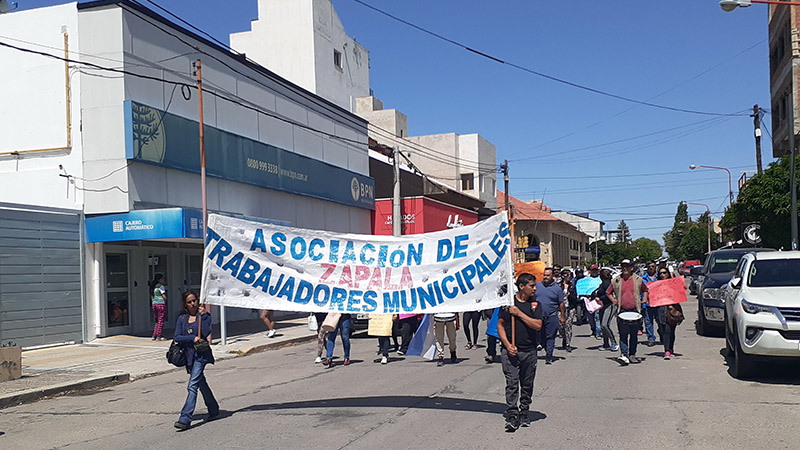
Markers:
point(6, 6)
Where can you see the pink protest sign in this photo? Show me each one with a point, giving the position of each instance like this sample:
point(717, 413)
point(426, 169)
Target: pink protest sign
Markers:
point(667, 292)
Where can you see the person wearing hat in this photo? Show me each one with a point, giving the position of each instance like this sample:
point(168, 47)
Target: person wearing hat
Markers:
point(629, 292)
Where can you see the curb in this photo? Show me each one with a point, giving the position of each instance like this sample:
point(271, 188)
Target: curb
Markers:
point(276, 345)
point(32, 395)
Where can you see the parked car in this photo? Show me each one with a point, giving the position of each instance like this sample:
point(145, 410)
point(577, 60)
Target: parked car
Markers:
point(695, 277)
point(762, 310)
point(686, 267)
point(717, 270)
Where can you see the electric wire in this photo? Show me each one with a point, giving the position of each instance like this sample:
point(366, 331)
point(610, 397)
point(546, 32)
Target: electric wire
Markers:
point(651, 98)
point(199, 50)
point(537, 73)
point(618, 141)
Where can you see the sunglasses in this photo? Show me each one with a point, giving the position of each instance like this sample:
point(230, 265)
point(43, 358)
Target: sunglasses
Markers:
point(663, 273)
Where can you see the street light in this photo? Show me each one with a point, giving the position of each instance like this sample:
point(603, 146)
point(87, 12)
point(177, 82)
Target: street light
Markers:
point(708, 210)
point(730, 5)
point(730, 183)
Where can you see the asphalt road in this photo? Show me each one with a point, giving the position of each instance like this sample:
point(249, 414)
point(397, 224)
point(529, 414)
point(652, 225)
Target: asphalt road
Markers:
point(280, 399)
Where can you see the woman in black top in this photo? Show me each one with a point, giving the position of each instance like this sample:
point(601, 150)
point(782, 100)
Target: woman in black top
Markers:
point(607, 313)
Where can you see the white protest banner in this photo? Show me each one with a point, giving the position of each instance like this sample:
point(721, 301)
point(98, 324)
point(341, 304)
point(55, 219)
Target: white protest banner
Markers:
point(256, 265)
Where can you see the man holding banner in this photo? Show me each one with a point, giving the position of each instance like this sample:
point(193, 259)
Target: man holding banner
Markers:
point(519, 354)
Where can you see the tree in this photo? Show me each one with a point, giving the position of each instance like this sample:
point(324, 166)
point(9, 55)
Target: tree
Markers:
point(646, 249)
point(680, 228)
point(625, 232)
point(766, 198)
point(682, 215)
point(694, 244)
point(610, 254)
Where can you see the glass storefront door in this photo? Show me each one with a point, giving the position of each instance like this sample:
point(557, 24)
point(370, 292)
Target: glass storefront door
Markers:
point(157, 263)
point(118, 315)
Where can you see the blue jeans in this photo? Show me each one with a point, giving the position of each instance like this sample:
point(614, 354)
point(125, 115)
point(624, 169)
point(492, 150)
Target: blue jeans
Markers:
point(197, 380)
point(491, 346)
point(549, 332)
point(343, 327)
point(650, 319)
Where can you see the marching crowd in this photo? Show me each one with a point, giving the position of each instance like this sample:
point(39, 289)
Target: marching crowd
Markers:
point(543, 311)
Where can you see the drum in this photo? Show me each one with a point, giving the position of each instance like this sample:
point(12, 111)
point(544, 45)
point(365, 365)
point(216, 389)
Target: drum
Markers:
point(630, 317)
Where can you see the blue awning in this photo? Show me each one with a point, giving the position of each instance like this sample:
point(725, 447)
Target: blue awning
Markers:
point(167, 223)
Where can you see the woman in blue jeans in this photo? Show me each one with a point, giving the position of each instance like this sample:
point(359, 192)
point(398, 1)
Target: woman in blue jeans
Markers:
point(187, 334)
point(343, 327)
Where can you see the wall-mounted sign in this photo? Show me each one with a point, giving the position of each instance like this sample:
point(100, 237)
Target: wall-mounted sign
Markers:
point(751, 233)
point(168, 223)
point(421, 215)
point(155, 137)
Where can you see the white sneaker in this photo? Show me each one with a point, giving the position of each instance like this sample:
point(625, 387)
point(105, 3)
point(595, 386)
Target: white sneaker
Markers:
point(623, 360)
point(318, 360)
point(271, 333)
point(384, 360)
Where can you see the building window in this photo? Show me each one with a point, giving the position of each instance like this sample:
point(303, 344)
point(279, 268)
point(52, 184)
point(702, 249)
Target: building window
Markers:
point(467, 181)
point(337, 58)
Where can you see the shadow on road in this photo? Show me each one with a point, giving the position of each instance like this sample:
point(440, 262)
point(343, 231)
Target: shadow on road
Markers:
point(770, 370)
point(393, 401)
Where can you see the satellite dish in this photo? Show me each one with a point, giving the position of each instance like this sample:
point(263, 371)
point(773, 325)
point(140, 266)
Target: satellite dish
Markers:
point(6, 6)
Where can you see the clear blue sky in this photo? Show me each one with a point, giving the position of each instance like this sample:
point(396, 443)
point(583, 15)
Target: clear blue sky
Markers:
point(703, 58)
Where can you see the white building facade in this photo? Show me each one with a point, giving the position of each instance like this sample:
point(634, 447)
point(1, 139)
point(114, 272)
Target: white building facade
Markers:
point(305, 42)
point(116, 156)
point(465, 162)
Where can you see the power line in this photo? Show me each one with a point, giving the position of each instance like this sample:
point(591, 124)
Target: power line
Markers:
point(540, 74)
point(650, 205)
point(199, 50)
point(651, 98)
point(177, 83)
point(654, 174)
point(604, 144)
point(434, 154)
point(217, 41)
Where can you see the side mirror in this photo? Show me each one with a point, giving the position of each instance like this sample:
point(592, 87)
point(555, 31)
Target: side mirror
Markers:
point(697, 270)
point(736, 282)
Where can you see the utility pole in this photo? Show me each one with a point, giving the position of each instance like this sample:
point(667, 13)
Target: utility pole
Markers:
point(757, 133)
point(792, 179)
point(397, 215)
point(198, 68)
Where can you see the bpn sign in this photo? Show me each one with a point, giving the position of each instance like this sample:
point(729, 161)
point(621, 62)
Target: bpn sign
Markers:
point(361, 190)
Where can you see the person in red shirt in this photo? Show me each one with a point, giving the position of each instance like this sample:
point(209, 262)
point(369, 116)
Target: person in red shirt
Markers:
point(628, 291)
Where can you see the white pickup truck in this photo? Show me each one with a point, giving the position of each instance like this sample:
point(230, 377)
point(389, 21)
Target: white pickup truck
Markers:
point(762, 310)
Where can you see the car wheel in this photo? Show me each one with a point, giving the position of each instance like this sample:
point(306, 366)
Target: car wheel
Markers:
point(728, 337)
point(742, 362)
point(702, 324)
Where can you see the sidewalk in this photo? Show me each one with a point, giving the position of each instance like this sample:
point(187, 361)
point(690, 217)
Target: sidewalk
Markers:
point(56, 370)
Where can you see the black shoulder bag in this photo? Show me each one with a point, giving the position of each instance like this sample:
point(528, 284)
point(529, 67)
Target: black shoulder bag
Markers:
point(175, 354)
point(201, 346)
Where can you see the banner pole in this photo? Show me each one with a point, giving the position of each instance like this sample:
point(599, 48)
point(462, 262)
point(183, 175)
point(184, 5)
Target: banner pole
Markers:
point(199, 73)
point(504, 167)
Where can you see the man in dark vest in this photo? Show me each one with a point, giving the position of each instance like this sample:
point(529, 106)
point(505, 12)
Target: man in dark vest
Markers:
point(629, 292)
